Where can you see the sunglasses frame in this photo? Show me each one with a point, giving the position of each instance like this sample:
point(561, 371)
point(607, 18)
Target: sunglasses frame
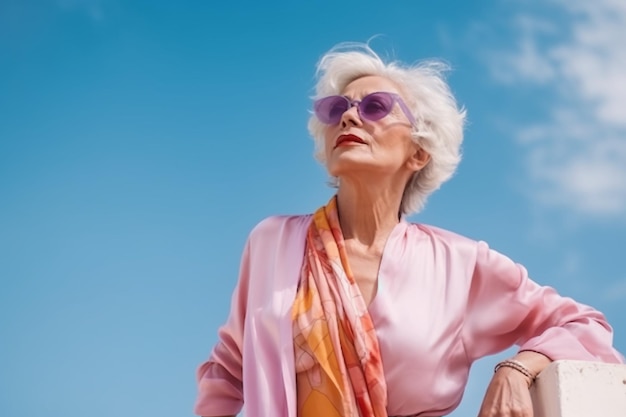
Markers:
point(351, 103)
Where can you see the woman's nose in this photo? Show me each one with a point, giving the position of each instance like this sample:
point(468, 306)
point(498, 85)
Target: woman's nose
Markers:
point(351, 117)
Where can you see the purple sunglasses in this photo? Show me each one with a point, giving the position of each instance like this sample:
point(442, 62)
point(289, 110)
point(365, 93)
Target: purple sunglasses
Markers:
point(372, 107)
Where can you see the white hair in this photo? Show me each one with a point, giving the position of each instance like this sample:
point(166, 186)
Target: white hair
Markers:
point(439, 121)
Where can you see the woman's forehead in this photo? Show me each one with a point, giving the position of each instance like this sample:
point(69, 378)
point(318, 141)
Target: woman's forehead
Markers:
point(367, 84)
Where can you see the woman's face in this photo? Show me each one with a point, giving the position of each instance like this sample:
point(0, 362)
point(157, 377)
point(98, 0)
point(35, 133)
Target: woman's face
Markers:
point(358, 148)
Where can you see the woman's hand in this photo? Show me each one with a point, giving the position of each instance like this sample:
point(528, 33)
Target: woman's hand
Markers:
point(507, 395)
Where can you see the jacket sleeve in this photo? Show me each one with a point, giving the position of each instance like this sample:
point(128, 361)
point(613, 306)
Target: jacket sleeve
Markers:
point(505, 307)
point(220, 381)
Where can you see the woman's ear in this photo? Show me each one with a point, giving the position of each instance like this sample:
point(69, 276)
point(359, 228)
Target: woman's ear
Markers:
point(419, 159)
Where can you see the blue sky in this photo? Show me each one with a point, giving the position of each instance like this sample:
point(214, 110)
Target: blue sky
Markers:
point(141, 141)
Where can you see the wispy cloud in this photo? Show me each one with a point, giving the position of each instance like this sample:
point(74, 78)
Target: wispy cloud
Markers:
point(576, 156)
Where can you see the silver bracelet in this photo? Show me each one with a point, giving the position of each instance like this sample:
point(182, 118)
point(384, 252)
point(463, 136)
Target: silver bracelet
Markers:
point(518, 366)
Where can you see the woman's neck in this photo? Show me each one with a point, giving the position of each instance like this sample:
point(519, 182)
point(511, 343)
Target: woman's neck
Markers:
point(367, 214)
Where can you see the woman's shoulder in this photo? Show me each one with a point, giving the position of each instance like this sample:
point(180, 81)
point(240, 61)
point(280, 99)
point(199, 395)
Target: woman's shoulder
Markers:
point(443, 241)
point(279, 225)
point(445, 235)
point(479, 249)
point(453, 242)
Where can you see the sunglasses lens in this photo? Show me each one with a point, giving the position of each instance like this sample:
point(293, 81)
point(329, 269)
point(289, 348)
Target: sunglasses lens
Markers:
point(376, 106)
point(373, 107)
point(329, 109)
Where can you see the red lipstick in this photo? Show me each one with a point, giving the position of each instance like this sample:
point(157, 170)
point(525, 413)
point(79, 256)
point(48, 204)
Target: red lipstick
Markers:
point(347, 140)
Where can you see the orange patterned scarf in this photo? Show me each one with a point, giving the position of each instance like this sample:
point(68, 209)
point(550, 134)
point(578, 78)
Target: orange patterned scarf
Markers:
point(338, 366)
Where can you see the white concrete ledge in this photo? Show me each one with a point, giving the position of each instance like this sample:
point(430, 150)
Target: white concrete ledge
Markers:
point(580, 389)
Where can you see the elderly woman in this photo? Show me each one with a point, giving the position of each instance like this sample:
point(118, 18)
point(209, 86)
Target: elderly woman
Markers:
point(353, 311)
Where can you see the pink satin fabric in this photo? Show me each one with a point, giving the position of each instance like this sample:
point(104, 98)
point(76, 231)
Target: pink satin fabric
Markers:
point(443, 301)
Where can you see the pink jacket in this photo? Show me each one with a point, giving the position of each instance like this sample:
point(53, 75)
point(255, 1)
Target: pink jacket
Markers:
point(472, 302)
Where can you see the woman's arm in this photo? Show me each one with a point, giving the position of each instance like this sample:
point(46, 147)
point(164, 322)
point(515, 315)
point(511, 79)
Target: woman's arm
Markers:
point(506, 307)
point(220, 378)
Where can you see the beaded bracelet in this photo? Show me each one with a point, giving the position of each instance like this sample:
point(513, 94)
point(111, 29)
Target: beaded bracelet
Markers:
point(518, 366)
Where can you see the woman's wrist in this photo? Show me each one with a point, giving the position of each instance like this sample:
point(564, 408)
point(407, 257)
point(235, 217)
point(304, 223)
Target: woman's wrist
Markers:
point(518, 367)
point(535, 362)
point(527, 363)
